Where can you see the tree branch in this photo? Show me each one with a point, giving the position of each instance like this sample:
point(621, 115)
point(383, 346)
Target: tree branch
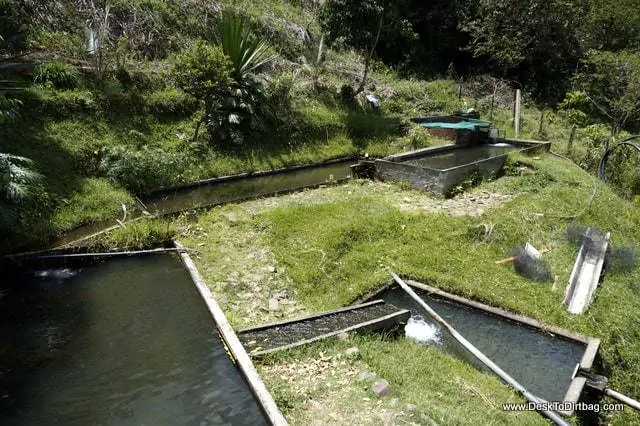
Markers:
point(367, 60)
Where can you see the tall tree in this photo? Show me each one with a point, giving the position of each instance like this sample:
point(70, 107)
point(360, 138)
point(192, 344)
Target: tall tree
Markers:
point(612, 25)
point(610, 84)
point(370, 26)
point(533, 41)
point(358, 23)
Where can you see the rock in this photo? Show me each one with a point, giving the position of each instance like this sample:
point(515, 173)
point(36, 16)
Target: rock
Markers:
point(381, 387)
point(411, 407)
point(366, 376)
point(272, 269)
point(280, 295)
point(231, 216)
point(352, 352)
point(274, 305)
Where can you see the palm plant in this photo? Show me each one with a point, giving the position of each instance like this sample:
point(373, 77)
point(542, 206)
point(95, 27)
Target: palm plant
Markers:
point(16, 185)
point(243, 109)
point(316, 66)
point(246, 51)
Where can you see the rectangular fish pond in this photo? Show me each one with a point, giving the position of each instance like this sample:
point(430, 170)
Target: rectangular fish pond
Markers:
point(542, 358)
point(441, 168)
point(125, 340)
point(245, 186)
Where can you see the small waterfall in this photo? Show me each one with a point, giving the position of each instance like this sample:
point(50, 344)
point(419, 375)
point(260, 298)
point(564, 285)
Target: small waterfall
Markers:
point(421, 331)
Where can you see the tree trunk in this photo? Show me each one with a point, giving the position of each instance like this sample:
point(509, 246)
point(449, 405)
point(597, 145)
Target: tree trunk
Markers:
point(572, 136)
point(198, 124)
point(367, 60)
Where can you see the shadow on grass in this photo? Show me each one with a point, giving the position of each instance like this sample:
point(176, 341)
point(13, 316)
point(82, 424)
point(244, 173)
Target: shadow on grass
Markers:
point(28, 137)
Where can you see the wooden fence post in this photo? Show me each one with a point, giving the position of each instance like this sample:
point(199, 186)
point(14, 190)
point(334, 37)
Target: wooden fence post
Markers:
point(571, 137)
point(516, 119)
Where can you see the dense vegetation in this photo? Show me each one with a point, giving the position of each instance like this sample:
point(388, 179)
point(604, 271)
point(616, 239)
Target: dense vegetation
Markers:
point(100, 101)
point(106, 99)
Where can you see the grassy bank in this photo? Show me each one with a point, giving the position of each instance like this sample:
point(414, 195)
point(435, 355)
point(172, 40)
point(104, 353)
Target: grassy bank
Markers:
point(330, 245)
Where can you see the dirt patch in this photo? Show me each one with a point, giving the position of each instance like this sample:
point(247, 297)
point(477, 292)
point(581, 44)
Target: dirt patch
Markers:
point(473, 203)
point(240, 270)
point(335, 389)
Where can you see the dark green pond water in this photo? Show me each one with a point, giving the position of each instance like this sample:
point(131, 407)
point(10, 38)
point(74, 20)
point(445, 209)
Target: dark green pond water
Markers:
point(256, 186)
point(541, 363)
point(460, 156)
point(124, 342)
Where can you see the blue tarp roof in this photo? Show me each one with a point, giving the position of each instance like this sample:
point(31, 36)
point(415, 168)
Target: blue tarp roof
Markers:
point(469, 124)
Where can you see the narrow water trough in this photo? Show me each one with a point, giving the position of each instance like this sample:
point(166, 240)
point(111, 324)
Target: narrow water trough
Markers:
point(370, 316)
point(441, 168)
point(216, 191)
point(121, 340)
point(542, 358)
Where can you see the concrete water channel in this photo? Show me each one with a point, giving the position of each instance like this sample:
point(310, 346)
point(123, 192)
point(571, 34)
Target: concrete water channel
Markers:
point(544, 359)
point(226, 189)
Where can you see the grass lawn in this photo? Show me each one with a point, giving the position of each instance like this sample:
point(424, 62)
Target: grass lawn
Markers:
point(330, 245)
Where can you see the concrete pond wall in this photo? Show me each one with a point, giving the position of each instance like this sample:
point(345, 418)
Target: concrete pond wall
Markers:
point(440, 181)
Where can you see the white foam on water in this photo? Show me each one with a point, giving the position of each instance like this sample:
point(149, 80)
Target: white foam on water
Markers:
point(421, 331)
point(61, 273)
point(501, 145)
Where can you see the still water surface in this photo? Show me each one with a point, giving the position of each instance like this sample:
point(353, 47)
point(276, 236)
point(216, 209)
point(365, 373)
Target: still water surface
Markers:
point(124, 342)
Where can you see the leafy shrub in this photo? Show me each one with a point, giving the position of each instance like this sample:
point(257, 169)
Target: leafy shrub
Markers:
point(347, 94)
point(144, 169)
point(142, 81)
point(594, 139)
point(204, 72)
point(64, 104)
point(113, 97)
point(9, 109)
point(58, 74)
point(65, 42)
point(170, 102)
point(17, 179)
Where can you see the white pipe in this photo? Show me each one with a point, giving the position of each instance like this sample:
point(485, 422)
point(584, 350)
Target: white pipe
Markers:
point(552, 415)
point(623, 398)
